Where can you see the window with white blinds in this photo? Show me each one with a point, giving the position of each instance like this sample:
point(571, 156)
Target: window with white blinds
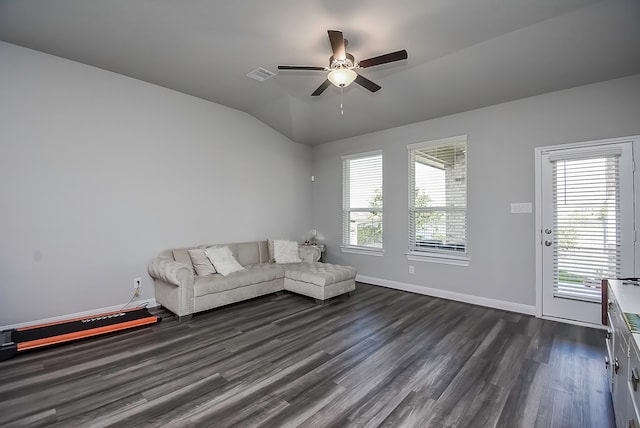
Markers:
point(586, 198)
point(438, 196)
point(362, 201)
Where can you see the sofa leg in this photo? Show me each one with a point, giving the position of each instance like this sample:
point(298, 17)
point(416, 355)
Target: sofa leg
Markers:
point(319, 302)
point(350, 293)
point(184, 318)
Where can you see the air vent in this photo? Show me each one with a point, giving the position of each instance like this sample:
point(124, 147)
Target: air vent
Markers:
point(261, 74)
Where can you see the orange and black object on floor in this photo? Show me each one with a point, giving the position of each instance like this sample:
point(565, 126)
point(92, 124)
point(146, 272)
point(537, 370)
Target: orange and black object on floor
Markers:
point(14, 341)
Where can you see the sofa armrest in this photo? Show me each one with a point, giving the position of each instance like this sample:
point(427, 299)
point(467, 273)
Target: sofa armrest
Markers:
point(172, 272)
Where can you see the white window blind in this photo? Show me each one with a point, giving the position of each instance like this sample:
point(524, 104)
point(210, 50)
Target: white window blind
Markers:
point(438, 196)
point(586, 197)
point(362, 200)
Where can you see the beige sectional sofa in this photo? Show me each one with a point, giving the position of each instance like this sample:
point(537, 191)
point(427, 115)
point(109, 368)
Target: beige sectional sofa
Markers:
point(181, 290)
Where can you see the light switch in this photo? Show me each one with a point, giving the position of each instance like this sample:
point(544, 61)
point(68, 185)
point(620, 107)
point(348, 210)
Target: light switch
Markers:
point(521, 208)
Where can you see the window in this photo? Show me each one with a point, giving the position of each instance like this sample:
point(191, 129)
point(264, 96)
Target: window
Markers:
point(362, 203)
point(586, 222)
point(438, 200)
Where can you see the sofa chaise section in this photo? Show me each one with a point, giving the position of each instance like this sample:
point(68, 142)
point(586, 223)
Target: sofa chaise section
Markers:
point(321, 281)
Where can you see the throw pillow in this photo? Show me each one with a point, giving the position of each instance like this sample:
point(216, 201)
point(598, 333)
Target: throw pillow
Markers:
point(272, 258)
point(182, 255)
point(201, 262)
point(309, 253)
point(223, 260)
point(286, 251)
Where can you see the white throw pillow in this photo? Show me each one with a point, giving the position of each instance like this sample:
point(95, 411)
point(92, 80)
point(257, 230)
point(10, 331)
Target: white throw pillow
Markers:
point(223, 260)
point(285, 251)
point(309, 253)
point(272, 257)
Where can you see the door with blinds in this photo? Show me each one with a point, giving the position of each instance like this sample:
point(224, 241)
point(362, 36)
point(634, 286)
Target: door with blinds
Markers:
point(587, 226)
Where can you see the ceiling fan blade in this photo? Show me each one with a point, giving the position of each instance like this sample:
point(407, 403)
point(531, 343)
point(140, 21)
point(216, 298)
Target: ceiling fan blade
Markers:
point(300, 67)
point(321, 88)
point(337, 44)
point(383, 59)
point(367, 84)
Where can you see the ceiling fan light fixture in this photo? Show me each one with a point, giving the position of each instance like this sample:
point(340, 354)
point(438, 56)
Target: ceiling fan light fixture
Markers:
point(342, 77)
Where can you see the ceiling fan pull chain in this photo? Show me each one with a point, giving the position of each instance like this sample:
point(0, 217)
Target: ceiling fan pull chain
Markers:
point(341, 100)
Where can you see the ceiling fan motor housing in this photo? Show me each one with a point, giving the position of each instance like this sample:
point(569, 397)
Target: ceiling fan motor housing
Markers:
point(348, 62)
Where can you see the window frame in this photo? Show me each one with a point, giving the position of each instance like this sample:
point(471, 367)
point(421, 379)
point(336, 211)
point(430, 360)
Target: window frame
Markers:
point(437, 254)
point(346, 246)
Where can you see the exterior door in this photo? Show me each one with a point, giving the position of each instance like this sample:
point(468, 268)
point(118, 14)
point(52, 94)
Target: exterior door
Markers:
point(587, 233)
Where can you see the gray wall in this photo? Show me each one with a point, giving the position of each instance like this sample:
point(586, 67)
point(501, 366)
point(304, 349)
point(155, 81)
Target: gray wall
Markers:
point(501, 142)
point(100, 172)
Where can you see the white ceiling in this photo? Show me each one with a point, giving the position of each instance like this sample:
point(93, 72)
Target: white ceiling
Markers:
point(463, 54)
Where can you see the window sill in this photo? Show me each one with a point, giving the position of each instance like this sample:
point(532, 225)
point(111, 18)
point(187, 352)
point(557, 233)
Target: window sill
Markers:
point(448, 259)
point(367, 251)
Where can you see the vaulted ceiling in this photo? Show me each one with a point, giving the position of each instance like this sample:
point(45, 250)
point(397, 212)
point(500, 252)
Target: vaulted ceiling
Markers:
point(463, 54)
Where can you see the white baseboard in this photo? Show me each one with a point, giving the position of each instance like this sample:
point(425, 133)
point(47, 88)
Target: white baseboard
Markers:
point(150, 303)
point(573, 322)
point(450, 295)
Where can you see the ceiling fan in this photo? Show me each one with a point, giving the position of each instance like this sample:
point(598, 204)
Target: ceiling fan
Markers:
point(342, 65)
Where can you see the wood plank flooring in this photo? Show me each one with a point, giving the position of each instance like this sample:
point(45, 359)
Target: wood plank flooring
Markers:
point(381, 358)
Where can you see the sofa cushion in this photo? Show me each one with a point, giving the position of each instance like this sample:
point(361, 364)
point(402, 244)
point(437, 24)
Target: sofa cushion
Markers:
point(250, 275)
point(223, 260)
point(285, 251)
point(249, 253)
point(182, 255)
point(320, 274)
point(201, 262)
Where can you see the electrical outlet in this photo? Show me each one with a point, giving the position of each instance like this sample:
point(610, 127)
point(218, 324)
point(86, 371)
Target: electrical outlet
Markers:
point(137, 283)
point(412, 270)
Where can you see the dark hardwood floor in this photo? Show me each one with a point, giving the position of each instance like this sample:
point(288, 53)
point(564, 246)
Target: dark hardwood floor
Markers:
point(379, 358)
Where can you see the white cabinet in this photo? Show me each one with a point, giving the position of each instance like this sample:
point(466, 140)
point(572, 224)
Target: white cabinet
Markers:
point(631, 417)
point(623, 357)
point(633, 384)
point(609, 357)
